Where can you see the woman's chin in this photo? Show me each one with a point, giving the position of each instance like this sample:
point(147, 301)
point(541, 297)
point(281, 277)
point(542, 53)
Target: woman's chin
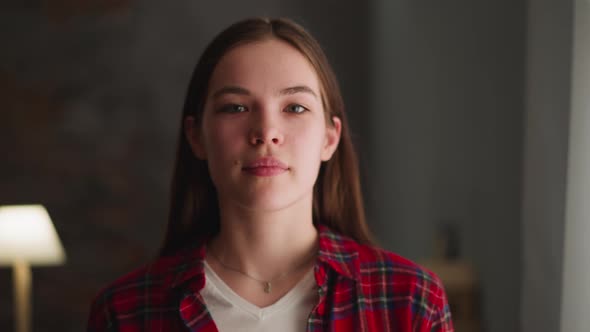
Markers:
point(271, 202)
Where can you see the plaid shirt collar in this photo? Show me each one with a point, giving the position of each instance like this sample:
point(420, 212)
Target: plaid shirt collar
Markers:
point(336, 251)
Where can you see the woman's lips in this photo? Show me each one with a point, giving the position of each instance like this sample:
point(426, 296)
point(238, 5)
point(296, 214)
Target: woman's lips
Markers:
point(265, 171)
point(267, 166)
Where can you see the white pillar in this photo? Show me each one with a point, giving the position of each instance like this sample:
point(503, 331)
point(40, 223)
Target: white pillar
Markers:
point(575, 302)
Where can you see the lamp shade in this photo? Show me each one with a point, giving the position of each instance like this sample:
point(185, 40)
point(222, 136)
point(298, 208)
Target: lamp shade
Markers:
point(27, 234)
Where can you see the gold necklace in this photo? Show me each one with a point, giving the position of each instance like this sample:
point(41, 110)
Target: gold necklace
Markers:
point(267, 284)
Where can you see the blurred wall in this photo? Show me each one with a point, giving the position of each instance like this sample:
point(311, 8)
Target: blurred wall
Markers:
point(548, 78)
point(447, 96)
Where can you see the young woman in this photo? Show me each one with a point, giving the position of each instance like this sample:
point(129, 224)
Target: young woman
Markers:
point(267, 229)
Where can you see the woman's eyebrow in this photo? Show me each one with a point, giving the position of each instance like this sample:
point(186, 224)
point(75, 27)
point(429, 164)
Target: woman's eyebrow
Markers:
point(298, 89)
point(231, 90)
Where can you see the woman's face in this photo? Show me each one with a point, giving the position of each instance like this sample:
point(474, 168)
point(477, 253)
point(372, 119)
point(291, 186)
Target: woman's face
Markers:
point(263, 131)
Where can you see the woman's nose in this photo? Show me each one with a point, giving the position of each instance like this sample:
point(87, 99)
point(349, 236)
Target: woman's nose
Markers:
point(265, 129)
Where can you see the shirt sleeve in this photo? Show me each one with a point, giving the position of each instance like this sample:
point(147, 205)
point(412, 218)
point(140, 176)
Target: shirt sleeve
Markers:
point(441, 317)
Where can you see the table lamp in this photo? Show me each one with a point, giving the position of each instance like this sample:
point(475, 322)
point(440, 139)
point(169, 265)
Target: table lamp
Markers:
point(27, 237)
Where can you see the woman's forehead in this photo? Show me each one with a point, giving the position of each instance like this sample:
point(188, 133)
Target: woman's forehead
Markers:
point(264, 66)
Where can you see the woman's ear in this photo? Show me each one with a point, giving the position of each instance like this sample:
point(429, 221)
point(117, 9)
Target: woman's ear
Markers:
point(332, 138)
point(193, 137)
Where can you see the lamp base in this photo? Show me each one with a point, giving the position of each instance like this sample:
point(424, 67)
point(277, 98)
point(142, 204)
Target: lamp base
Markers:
point(22, 296)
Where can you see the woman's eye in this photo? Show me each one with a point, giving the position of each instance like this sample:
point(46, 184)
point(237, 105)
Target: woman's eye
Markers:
point(233, 108)
point(296, 108)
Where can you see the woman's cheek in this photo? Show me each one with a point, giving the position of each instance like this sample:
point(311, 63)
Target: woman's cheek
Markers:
point(223, 135)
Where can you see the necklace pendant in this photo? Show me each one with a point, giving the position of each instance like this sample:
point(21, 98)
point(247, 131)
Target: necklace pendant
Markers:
point(267, 287)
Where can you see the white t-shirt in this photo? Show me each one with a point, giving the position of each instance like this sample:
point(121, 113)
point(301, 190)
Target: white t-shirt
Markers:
point(233, 313)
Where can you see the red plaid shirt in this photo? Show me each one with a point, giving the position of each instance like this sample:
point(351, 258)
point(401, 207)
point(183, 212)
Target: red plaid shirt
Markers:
point(361, 288)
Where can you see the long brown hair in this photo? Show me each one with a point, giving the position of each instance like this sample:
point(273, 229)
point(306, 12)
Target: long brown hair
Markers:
point(337, 197)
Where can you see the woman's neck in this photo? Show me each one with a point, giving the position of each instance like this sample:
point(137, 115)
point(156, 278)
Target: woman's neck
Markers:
point(265, 245)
